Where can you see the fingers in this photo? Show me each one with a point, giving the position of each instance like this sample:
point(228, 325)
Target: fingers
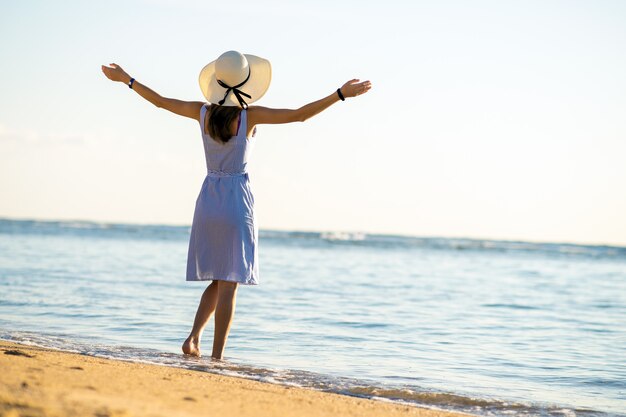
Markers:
point(107, 71)
point(362, 88)
point(113, 71)
point(356, 80)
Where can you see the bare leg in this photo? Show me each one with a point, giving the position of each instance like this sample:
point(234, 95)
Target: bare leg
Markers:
point(208, 302)
point(226, 296)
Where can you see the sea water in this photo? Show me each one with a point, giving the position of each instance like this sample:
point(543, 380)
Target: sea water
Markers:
point(485, 327)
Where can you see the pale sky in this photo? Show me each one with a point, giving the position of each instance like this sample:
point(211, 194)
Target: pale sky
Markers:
point(487, 119)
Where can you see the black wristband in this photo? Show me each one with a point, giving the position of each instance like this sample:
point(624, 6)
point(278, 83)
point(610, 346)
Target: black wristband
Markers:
point(340, 95)
point(130, 83)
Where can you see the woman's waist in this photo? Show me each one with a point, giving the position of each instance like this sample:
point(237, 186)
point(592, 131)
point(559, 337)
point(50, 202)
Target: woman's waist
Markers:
point(221, 173)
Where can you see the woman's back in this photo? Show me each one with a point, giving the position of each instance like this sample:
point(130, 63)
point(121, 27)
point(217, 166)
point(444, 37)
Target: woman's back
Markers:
point(231, 156)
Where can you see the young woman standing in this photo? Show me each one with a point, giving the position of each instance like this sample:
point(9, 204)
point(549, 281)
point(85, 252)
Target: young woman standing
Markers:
point(224, 233)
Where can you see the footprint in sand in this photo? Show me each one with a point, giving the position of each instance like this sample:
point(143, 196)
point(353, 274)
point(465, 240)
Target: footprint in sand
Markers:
point(112, 413)
point(18, 353)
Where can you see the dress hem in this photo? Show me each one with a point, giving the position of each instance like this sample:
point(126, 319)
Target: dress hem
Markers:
point(247, 282)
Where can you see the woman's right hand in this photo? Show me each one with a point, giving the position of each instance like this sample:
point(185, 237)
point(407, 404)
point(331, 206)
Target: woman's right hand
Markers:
point(116, 73)
point(355, 88)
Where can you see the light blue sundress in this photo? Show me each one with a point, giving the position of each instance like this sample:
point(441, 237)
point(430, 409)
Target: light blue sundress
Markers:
point(224, 234)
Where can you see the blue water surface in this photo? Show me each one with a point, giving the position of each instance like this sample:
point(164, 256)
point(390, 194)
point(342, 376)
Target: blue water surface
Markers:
point(486, 327)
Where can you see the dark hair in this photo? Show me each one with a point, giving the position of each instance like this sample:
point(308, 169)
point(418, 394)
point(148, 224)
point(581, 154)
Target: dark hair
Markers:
point(219, 121)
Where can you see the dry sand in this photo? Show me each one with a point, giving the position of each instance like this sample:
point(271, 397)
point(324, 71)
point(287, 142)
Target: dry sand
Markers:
point(42, 382)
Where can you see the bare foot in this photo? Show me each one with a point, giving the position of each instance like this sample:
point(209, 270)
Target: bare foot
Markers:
point(191, 347)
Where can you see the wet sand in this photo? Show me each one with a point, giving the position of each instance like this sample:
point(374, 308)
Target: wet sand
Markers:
point(41, 382)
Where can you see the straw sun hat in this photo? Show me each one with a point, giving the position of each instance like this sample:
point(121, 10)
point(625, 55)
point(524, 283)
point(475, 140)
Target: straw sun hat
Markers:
point(235, 79)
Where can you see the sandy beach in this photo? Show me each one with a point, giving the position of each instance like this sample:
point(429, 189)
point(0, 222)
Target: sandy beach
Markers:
point(41, 382)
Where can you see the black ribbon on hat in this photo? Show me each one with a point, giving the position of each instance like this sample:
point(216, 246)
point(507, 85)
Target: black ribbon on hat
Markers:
point(238, 93)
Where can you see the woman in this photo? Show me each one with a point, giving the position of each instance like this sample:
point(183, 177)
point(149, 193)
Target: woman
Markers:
point(224, 233)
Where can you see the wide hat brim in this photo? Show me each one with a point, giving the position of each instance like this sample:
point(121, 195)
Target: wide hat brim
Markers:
point(256, 86)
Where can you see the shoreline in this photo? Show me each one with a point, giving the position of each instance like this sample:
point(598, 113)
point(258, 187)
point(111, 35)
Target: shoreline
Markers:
point(39, 381)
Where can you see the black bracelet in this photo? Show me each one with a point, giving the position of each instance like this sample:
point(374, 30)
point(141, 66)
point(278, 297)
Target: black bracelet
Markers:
point(340, 95)
point(130, 83)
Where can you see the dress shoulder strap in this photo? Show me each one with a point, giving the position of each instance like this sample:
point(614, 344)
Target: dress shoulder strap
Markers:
point(244, 122)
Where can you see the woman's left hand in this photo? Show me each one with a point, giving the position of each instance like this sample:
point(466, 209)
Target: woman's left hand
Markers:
point(116, 73)
point(355, 88)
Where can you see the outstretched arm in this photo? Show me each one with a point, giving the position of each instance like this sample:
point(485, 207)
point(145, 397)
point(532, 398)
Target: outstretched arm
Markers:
point(189, 109)
point(264, 115)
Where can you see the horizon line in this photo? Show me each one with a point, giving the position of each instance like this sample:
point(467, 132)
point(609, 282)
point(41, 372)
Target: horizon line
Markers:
point(510, 240)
